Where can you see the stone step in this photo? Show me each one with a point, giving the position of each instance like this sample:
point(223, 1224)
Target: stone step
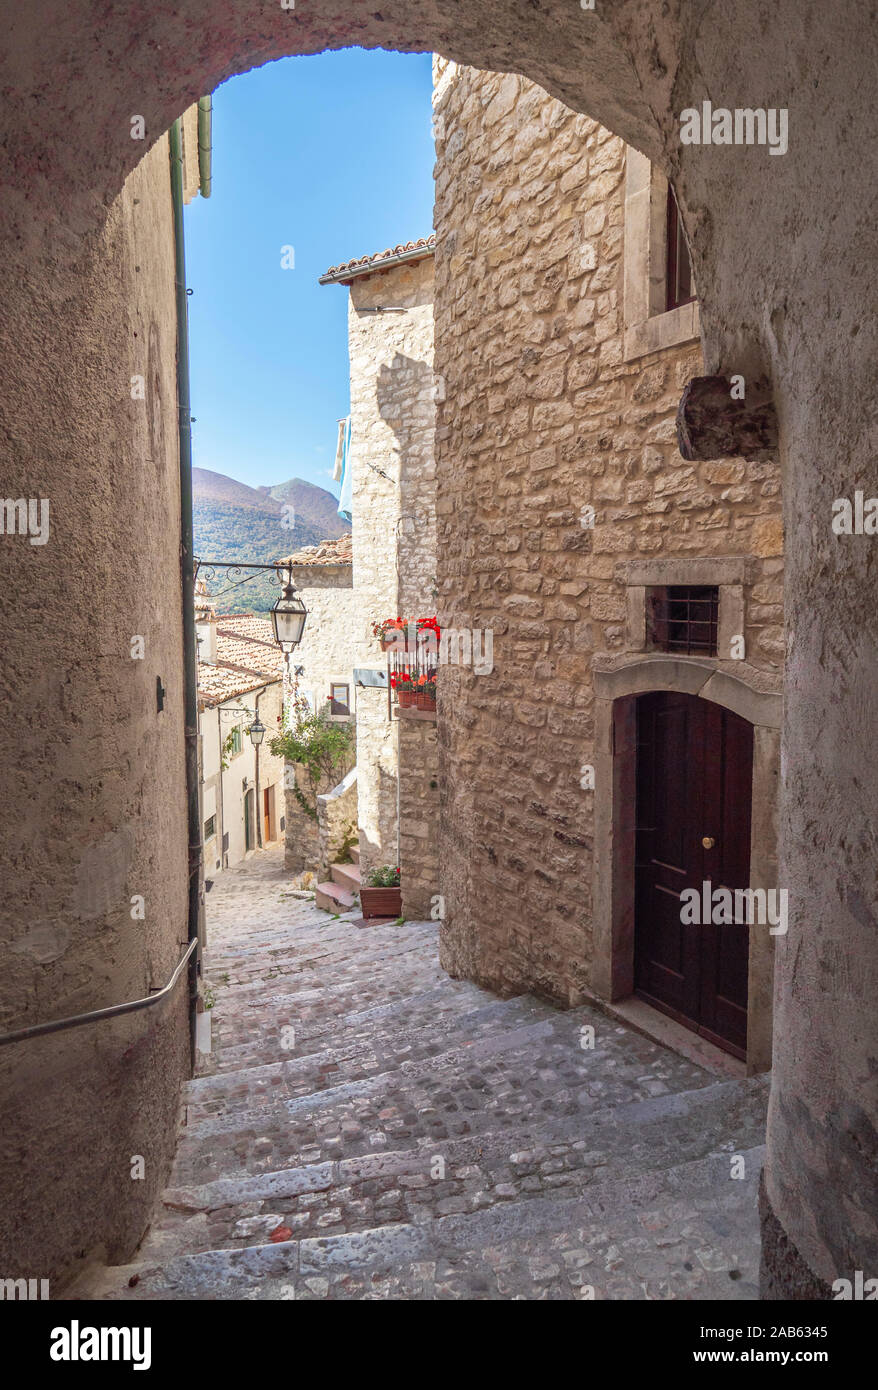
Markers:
point(347, 876)
point(689, 1231)
point(333, 898)
point(354, 1052)
point(336, 955)
point(489, 1083)
point(354, 852)
point(246, 1016)
point(409, 1012)
point(558, 1158)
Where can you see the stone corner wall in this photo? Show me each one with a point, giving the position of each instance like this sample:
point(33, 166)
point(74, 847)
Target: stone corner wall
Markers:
point(394, 511)
point(419, 817)
point(337, 821)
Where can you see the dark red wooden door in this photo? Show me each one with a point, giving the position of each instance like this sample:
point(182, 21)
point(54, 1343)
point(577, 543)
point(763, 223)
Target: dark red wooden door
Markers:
point(694, 782)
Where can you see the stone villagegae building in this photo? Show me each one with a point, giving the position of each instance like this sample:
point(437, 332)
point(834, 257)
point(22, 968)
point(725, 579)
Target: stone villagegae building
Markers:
point(561, 448)
point(561, 366)
point(562, 372)
point(387, 569)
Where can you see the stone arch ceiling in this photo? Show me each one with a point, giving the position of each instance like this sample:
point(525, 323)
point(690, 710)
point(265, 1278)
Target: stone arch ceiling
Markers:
point(73, 75)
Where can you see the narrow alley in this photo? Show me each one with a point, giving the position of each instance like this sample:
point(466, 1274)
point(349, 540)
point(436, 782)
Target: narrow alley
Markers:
point(366, 1127)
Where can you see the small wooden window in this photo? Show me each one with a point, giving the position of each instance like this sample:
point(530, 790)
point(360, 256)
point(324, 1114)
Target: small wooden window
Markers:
point(340, 699)
point(682, 618)
point(678, 277)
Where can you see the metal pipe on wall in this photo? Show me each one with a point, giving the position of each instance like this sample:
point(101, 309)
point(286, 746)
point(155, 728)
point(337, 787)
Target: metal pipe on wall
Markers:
point(187, 574)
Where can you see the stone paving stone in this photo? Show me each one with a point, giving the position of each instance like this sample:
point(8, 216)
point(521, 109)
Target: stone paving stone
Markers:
point(421, 1139)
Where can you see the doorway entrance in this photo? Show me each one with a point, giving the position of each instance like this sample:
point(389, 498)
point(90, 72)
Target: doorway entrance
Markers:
point(268, 830)
point(693, 795)
point(250, 819)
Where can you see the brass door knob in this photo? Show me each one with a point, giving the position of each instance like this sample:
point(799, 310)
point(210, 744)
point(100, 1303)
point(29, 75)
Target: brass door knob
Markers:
point(708, 842)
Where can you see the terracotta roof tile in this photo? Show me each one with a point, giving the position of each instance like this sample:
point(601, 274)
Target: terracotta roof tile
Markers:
point(247, 658)
point(365, 265)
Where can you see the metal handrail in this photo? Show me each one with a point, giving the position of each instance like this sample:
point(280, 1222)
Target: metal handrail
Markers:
point(112, 1011)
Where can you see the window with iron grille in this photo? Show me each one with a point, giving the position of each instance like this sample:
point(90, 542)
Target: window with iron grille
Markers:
point(682, 618)
point(210, 827)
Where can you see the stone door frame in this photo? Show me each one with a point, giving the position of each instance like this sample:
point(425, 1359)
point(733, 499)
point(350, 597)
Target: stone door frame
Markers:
point(748, 693)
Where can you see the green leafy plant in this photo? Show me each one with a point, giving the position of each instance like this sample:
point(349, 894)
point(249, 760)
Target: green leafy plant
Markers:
point(231, 745)
point(344, 852)
point(385, 877)
point(321, 747)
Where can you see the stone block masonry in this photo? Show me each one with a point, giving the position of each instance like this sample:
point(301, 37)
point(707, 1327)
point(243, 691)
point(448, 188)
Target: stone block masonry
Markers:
point(419, 818)
point(544, 417)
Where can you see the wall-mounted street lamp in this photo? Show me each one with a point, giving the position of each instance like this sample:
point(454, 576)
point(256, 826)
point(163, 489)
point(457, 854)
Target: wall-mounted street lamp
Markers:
point(288, 614)
point(256, 730)
point(288, 618)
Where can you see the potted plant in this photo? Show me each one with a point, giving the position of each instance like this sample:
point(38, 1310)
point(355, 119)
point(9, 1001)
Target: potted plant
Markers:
point(382, 897)
point(403, 682)
point(425, 695)
point(390, 632)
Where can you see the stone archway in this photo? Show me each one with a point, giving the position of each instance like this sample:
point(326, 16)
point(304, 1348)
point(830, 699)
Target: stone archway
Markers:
point(746, 693)
point(780, 260)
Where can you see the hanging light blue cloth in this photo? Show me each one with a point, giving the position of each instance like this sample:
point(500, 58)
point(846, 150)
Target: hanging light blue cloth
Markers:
point(346, 497)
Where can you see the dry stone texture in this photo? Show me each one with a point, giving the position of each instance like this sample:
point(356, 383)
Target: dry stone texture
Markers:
point(543, 417)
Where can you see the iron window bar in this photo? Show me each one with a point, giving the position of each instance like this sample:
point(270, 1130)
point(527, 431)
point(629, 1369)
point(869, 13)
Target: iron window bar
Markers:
point(112, 1011)
point(684, 619)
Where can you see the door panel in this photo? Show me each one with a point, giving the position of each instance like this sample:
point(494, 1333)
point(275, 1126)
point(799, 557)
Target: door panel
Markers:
point(694, 772)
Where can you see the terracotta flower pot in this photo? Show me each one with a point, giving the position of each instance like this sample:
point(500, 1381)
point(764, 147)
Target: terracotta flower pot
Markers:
point(406, 698)
point(426, 701)
point(381, 902)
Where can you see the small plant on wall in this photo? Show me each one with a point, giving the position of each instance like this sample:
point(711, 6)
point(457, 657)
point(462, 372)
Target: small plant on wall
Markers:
point(319, 746)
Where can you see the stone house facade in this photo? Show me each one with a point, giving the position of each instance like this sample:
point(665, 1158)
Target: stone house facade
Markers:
point(391, 569)
point(564, 510)
point(240, 675)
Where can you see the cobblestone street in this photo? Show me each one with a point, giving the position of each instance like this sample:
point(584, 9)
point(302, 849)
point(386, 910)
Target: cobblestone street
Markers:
point(366, 1127)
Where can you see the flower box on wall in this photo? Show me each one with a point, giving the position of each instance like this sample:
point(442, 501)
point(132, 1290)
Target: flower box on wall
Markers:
point(406, 698)
point(425, 701)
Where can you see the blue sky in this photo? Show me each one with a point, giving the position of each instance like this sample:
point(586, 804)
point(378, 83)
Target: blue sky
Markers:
point(332, 155)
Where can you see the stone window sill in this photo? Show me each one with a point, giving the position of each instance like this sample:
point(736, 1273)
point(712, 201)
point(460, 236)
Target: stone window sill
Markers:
point(666, 330)
point(425, 715)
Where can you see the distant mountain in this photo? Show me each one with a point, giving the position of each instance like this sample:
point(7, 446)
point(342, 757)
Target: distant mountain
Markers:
point(237, 522)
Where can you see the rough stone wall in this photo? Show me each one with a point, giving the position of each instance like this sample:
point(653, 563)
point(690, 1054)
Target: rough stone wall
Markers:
point(543, 416)
point(394, 518)
point(333, 629)
point(392, 423)
point(419, 817)
point(97, 784)
point(337, 822)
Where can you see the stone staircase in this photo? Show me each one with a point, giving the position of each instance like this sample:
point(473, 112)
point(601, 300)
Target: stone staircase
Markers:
point(366, 1127)
point(339, 892)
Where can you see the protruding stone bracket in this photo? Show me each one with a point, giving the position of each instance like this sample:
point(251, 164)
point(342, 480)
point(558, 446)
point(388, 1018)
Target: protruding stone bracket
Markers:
point(711, 424)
